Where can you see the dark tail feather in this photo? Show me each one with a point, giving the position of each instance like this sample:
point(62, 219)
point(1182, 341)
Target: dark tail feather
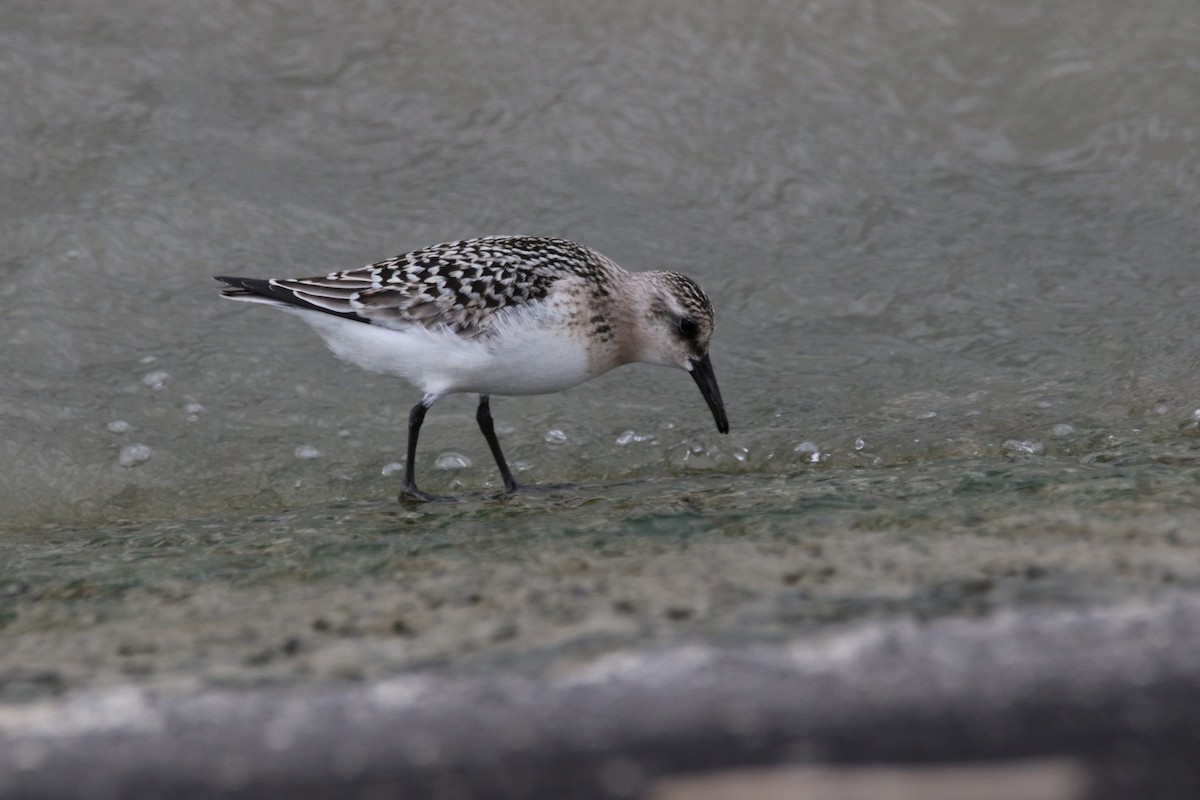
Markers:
point(243, 286)
point(273, 294)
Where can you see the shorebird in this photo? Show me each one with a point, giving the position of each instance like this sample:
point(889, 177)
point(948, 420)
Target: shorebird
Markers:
point(504, 315)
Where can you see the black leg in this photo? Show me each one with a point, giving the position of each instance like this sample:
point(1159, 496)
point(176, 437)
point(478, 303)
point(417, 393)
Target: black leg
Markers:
point(415, 418)
point(483, 415)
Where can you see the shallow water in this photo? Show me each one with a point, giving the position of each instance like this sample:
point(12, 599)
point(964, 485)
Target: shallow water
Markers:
point(953, 255)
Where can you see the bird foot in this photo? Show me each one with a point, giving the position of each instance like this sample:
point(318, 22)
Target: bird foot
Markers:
point(412, 493)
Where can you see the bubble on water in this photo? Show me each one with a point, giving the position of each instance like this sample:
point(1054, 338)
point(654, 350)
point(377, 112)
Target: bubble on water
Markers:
point(193, 408)
point(811, 450)
point(555, 436)
point(343, 434)
point(741, 453)
point(307, 451)
point(927, 415)
point(859, 444)
point(1062, 429)
point(156, 379)
point(631, 437)
point(1161, 408)
point(452, 461)
point(394, 468)
point(521, 466)
point(133, 455)
point(144, 360)
point(1026, 446)
point(1196, 414)
point(119, 426)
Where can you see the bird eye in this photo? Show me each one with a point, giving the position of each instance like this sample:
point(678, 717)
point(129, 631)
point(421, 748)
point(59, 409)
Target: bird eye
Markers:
point(688, 328)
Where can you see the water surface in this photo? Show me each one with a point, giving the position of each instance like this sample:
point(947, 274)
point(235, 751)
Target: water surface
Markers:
point(953, 255)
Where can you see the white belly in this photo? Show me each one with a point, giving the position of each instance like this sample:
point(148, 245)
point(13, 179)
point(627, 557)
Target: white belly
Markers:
point(532, 359)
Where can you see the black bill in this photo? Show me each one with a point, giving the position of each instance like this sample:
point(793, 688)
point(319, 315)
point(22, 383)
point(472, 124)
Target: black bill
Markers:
point(702, 373)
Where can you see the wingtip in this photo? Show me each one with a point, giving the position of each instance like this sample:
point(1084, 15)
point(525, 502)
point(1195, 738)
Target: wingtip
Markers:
point(240, 288)
point(235, 287)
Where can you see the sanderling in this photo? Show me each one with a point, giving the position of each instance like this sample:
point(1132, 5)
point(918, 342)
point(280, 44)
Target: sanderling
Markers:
point(505, 315)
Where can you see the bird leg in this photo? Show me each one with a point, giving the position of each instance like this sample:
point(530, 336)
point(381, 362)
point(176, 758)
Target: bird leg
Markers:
point(483, 415)
point(415, 418)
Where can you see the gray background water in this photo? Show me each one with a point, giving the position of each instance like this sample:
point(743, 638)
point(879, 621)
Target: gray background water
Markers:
point(952, 246)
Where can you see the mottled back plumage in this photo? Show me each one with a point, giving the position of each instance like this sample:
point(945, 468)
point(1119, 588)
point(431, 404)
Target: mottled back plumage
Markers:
point(459, 285)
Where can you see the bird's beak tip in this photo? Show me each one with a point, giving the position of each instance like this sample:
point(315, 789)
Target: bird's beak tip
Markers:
point(702, 372)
